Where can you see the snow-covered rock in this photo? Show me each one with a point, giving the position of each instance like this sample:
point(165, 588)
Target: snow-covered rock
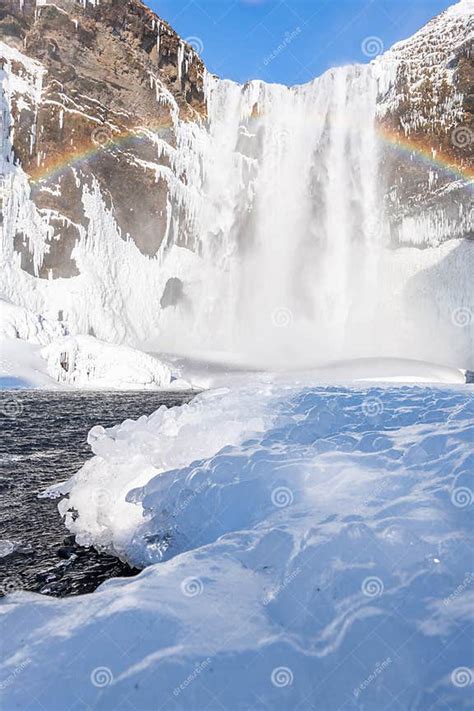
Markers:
point(38, 352)
point(85, 362)
point(21, 366)
point(427, 115)
point(19, 322)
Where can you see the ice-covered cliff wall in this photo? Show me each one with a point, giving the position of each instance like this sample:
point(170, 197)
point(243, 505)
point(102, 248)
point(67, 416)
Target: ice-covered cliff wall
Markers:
point(288, 225)
point(427, 98)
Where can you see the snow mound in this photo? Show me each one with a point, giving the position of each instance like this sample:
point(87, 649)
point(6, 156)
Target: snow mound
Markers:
point(315, 549)
point(86, 362)
point(129, 455)
point(72, 361)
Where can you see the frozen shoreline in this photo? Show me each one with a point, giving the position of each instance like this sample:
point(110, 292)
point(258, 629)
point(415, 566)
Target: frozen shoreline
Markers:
point(308, 536)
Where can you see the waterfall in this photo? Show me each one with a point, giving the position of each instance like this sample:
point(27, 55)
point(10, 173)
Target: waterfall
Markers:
point(290, 217)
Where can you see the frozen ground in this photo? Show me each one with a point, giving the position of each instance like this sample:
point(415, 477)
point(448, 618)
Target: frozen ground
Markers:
point(307, 547)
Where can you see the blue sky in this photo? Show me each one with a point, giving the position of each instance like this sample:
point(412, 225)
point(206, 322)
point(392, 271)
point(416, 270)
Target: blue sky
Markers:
point(243, 39)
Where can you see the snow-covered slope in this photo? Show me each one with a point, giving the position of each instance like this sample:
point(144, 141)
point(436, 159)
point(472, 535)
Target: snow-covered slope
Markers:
point(315, 548)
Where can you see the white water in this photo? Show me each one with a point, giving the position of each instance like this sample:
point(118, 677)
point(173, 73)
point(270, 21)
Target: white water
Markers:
point(291, 226)
point(295, 205)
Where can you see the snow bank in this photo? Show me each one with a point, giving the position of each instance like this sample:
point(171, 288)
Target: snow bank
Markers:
point(396, 370)
point(72, 361)
point(172, 438)
point(86, 362)
point(321, 559)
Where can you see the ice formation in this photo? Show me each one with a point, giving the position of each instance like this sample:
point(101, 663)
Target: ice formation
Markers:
point(308, 547)
point(18, 322)
point(276, 230)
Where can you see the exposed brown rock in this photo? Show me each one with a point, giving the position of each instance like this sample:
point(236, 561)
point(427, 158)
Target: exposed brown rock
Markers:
point(96, 90)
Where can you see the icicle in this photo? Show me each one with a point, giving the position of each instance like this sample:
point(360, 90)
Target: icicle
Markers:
point(158, 39)
point(180, 61)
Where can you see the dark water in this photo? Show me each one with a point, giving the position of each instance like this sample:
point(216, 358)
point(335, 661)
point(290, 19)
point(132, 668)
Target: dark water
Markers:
point(44, 441)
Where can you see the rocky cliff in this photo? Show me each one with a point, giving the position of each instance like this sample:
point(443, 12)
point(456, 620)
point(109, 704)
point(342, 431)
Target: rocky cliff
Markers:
point(89, 86)
point(426, 106)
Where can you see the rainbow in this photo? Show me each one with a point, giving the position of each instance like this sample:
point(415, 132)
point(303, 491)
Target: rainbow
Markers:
point(89, 150)
point(103, 139)
point(427, 155)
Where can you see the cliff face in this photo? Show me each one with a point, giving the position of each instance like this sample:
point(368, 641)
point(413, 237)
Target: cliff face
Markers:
point(426, 104)
point(86, 83)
